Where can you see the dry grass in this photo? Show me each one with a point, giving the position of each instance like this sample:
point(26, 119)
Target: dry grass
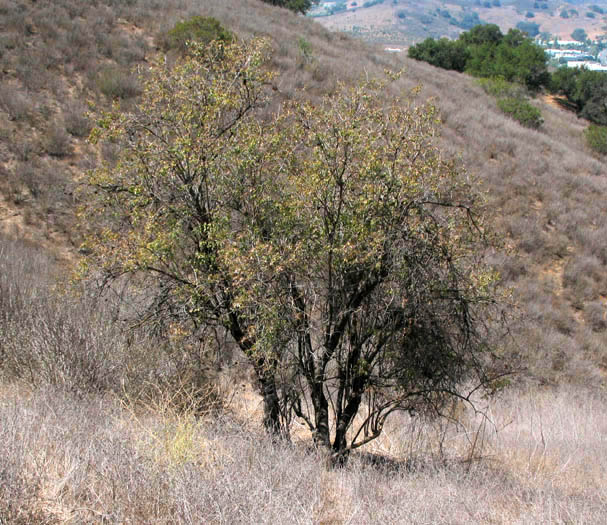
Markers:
point(56, 336)
point(90, 461)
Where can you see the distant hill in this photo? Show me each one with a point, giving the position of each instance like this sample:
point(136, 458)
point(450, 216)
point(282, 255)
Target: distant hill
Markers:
point(403, 22)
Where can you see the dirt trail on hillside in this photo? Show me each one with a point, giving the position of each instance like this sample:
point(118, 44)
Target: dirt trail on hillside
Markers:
point(554, 101)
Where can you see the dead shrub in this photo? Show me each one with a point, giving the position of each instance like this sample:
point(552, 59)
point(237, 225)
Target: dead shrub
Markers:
point(595, 314)
point(15, 102)
point(57, 142)
point(77, 123)
point(25, 149)
point(115, 82)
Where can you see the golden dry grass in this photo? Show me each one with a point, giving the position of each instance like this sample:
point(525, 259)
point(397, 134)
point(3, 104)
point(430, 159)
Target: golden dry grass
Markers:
point(74, 461)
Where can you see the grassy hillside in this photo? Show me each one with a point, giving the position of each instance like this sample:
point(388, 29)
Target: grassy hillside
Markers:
point(543, 187)
point(545, 194)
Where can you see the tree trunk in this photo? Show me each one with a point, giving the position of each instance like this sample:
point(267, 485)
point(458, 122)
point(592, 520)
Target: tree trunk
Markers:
point(265, 369)
point(321, 416)
point(271, 403)
point(343, 424)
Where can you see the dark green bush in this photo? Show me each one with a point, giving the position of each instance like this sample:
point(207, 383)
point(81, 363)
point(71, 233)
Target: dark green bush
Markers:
point(297, 6)
point(443, 53)
point(521, 111)
point(371, 3)
point(596, 137)
point(199, 28)
point(531, 28)
point(485, 52)
point(579, 34)
point(586, 92)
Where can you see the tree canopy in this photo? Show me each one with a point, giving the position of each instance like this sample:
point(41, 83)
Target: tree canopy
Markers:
point(330, 241)
point(299, 6)
point(579, 34)
point(586, 90)
point(485, 52)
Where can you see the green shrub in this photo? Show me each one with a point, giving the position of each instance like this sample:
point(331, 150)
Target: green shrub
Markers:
point(596, 137)
point(371, 3)
point(521, 111)
point(501, 88)
point(199, 28)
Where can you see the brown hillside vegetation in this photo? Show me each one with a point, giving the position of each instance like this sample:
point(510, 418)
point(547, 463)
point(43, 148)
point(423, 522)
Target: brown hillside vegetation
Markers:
point(544, 187)
point(70, 453)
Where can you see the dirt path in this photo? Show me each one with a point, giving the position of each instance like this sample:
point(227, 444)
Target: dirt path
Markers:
point(554, 101)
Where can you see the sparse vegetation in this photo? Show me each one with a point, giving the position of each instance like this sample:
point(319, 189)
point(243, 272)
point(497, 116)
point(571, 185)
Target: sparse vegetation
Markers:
point(143, 460)
point(57, 141)
point(115, 82)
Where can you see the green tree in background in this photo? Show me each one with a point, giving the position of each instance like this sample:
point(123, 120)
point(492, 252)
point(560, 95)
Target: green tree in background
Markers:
point(197, 28)
point(531, 28)
point(299, 6)
point(485, 52)
point(585, 90)
point(443, 53)
point(579, 34)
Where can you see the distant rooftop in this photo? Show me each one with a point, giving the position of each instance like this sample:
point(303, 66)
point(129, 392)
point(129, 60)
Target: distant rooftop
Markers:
point(592, 66)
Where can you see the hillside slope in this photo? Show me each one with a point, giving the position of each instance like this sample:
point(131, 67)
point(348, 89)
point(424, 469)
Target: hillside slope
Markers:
point(545, 190)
